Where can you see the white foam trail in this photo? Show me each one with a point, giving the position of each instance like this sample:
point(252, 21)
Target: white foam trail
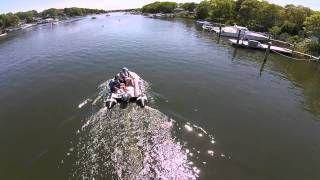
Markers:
point(131, 143)
point(96, 100)
point(83, 103)
point(188, 128)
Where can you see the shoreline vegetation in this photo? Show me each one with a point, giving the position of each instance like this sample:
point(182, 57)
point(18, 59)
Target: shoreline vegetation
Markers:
point(297, 25)
point(21, 20)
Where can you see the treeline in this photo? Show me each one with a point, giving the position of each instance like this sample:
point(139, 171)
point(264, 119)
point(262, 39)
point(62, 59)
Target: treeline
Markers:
point(13, 19)
point(167, 7)
point(159, 7)
point(69, 12)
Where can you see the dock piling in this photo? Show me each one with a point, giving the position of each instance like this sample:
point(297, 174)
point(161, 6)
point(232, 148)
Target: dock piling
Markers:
point(267, 52)
point(238, 39)
point(293, 48)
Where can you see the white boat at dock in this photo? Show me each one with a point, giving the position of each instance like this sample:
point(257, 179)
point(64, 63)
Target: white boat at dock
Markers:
point(11, 29)
point(3, 35)
point(233, 31)
point(25, 26)
point(160, 15)
point(203, 22)
point(207, 27)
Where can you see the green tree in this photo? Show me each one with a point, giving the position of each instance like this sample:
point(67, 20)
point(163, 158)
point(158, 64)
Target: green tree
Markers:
point(168, 7)
point(11, 20)
point(248, 13)
point(268, 16)
point(27, 16)
point(238, 5)
point(189, 6)
point(222, 10)
point(296, 15)
point(2, 24)
point(75, 11)
point(52, 12)
point(202, 10)
point(159, 7)
point(312, 23)
point(275, 30)
point(290, 28)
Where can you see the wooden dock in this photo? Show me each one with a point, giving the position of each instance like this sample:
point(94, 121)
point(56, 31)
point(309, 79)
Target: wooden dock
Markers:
point(263, 47)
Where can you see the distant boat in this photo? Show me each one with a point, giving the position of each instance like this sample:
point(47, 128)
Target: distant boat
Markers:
point(93, 18)
point(25, 26)
point(233, 31)
point(203, 22)
point(107, 15)
point(207, 27)
point(3, 35)
point(48, 20)
point(11, 29)
point(55, 23)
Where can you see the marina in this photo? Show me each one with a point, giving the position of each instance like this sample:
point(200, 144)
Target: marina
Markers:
point(242, 37)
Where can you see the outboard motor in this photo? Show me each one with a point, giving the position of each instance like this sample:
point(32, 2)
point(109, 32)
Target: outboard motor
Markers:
point(125, 98)
point(141, 100)
point(111, 102)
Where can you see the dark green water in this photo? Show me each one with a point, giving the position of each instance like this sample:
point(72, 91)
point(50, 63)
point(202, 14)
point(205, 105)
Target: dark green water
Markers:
point(264, 124)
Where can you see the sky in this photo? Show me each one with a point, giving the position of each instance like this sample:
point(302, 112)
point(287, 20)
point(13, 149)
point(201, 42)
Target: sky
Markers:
point(39, 5)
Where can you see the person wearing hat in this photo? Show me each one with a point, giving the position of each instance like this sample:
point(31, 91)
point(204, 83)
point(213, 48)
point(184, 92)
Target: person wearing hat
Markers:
point(125, 77)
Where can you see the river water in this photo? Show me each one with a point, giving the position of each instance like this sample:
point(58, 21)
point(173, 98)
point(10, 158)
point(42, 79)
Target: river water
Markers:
point(215, 111)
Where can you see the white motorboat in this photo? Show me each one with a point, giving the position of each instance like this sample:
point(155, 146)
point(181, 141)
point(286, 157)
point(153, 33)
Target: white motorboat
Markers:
point(3, 35)
point(134, 91)
point(203, 22)
point(233, 31)
point(25, 26)
point(207, 27)
point(249, 35)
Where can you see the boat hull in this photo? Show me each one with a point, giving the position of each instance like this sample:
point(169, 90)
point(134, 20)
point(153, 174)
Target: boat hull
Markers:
point(134, 93)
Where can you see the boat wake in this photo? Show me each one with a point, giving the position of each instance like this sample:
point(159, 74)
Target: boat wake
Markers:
point(139, 143)
point(131, 143)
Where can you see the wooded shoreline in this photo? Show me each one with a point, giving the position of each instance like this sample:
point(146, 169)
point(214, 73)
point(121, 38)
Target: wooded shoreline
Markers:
point(297, 25)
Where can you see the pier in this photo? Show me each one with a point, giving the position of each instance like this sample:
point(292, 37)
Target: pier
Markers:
point(245, 44)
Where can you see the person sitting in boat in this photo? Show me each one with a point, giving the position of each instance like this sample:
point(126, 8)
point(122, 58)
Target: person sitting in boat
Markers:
point(114, 84)
point(125, 77)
